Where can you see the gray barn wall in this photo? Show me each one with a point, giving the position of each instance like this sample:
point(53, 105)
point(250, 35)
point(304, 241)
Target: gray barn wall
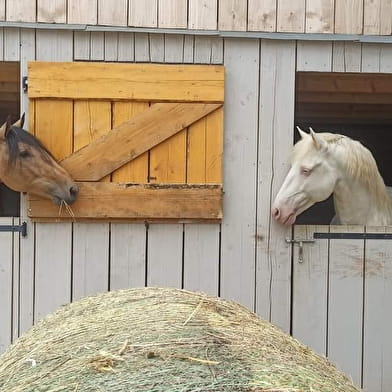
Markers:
point(245, 258)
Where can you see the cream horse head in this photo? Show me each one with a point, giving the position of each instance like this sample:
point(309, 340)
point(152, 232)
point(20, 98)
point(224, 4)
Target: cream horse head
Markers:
point(27, 166)
point(323, 164)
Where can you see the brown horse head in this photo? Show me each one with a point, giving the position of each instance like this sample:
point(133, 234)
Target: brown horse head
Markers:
point(27, 166)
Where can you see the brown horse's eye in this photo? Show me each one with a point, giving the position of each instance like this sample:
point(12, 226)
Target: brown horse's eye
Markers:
point(25, 154)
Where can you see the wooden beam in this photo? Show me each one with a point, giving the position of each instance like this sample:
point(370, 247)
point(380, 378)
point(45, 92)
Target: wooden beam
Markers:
point(147, 202)
point(341, 97)
point(343, 82)
point(140, 82)
point(132, 138)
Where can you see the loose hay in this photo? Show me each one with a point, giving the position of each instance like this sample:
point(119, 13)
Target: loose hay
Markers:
point(162, 340)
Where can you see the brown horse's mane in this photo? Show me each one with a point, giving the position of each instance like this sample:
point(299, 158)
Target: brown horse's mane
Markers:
point(17, 135)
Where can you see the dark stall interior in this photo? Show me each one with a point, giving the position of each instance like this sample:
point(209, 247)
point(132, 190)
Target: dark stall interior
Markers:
point(358, 105)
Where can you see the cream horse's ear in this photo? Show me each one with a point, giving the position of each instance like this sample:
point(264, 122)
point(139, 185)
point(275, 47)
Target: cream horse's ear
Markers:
point(19, 123)
point(318, 141)
point(4, 129)
point(302, 133)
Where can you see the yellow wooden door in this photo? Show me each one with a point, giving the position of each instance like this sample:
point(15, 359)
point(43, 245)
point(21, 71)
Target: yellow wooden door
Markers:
point(143, 141)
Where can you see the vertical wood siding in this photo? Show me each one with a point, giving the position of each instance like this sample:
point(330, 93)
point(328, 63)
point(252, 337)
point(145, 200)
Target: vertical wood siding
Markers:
point(296, 16)
point(245, 258)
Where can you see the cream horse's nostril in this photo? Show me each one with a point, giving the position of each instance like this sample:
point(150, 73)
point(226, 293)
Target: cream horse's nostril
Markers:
point(276, 213)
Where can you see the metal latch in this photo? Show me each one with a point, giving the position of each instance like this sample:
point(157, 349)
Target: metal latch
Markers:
point(301, 247)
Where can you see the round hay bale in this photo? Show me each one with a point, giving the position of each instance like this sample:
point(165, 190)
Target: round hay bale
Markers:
point(155, 339)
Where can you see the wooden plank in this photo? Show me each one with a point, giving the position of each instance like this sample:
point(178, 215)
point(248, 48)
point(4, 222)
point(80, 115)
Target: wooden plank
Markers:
point(1, 43)
point(345, 315)
point(6, 277)
point(349, 16)
point(205, 149)
point(15, 280)
point(174, 48)
point(376, 19)
point(83, 12)
point(164, 255)
point(165, 242)
point(11, 44)
point(291, 16)
point(386, 58)
point(319, 16)
point(2, 9)
point(92, 119)
point(314, 56)
point(172, 14)
point(188, 49)
point(52, 11)
point(201, 258)
point(126, 47)
point(377, 351)
point(370, 58)
point(157, 48)
point(82, 45)
point(111, 46)
point(90, 259)
point(133, 138)
point(55, 118)
point(232, 15)
point(54, 45)
point(201, 242)
point(52, 269)
point(143, 13)
point(352, 56)
point(273, 255)
point(142, 47)
point(21, 11)
point(238, 228)
point(97, 45)
point(128, 241)
point(203, 14)
point(27, 245)
point(112, 13)
point(104, 200)
point(310, 289)
point(194, 83)
point(135, 171)
point(127, 255)
point(262, 15)
point(168, 160)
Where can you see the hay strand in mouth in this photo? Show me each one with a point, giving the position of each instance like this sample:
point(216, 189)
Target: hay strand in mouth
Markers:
point(67, 208)
point(163, 340)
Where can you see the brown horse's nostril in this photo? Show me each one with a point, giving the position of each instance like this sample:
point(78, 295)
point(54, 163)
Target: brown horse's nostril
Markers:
point(276, 213)
point(74, 190)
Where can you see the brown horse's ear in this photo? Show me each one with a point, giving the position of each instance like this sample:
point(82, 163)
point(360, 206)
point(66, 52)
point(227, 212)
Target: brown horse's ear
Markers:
point(5, 128)
point(19, 123)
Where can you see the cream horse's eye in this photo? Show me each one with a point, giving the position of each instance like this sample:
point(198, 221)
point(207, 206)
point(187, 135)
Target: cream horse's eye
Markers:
point(305, 171)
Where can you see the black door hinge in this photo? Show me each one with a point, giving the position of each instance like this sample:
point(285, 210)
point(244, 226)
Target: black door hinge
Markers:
point(22, 229)
point(25, 84)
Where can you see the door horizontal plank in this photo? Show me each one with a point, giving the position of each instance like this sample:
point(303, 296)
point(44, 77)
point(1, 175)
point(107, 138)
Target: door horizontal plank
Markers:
point(147, 202)
point(116, 81)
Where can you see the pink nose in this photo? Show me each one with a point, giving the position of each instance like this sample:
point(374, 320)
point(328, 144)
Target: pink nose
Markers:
point(276, 213)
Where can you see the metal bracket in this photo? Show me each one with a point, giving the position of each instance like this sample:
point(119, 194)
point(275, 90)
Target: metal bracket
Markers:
point(25, 84)
point(301, 247)
point(15, 229)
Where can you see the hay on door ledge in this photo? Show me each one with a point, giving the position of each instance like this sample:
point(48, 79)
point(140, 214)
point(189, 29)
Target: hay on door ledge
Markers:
point(170, 340)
